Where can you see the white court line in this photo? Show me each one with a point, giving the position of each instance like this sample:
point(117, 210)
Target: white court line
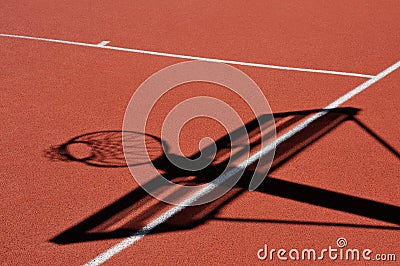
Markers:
point(191, 57)
point(127, 242)
point(103, 43)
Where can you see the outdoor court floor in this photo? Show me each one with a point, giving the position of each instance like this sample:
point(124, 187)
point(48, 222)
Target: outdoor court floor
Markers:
point(69, 69)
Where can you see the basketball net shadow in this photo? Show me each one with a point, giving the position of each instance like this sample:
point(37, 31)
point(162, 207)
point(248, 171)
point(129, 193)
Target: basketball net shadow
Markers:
point(134, 210)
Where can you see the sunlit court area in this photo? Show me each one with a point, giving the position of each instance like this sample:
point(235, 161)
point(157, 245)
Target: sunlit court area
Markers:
point(200, 132)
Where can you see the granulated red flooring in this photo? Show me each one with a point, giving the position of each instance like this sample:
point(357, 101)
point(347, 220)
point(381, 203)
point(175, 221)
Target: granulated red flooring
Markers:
point(344, 184)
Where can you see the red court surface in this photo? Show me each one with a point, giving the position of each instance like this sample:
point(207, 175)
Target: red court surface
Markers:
point(336, 178)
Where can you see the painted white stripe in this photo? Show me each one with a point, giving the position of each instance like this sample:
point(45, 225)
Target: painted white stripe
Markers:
point(103, 43)
point(221, 179)
point(192, 57)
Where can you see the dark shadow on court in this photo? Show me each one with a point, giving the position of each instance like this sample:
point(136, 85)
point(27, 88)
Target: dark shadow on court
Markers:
point(127, 215)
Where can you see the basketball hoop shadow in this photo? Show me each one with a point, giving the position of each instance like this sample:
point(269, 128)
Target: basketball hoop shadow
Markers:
point(134, 210)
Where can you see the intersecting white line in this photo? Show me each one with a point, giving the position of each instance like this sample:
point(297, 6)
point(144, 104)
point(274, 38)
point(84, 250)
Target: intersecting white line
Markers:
point(103, 43)
point(188, 57)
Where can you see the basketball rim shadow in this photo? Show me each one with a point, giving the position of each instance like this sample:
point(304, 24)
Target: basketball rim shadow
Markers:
point(128, 214)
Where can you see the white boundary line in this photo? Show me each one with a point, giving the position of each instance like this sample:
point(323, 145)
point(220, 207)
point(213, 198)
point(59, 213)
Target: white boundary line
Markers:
point(127, 242)
point(190, 57)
